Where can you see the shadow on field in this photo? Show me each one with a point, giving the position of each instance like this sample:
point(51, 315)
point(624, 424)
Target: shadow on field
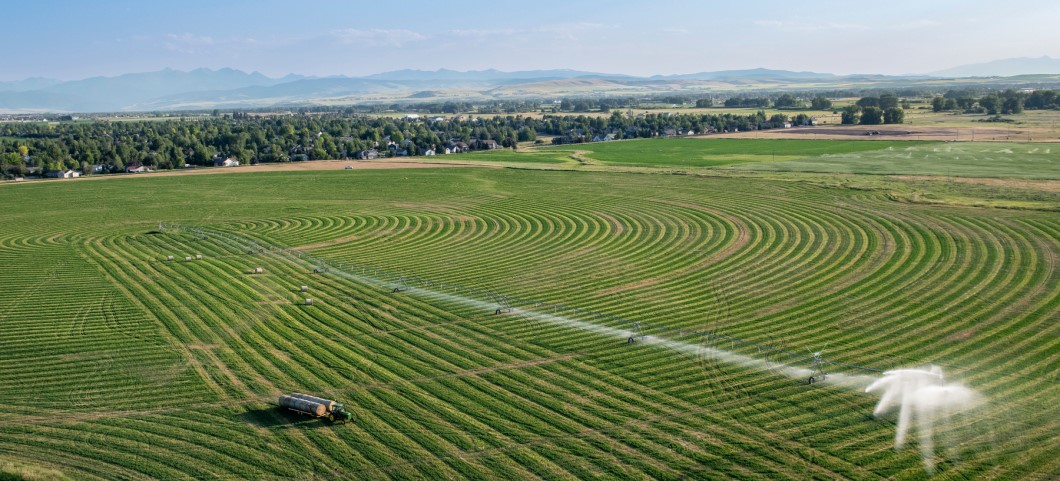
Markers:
point(277, 418)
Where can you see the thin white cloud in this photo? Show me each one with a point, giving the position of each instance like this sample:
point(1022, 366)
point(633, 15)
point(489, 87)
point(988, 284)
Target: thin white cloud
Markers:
point(377, 37)
point(483, 32)
point(187, 43)
point(568, 31)
point(811, 27)
point(916, 24)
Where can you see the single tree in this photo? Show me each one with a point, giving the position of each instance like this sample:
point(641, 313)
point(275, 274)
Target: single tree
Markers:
point(937, 103)
point(868, 102)
point(871, 116)
point(893, 115)
point(851, 115)
point(990, 102)
point(887, 101)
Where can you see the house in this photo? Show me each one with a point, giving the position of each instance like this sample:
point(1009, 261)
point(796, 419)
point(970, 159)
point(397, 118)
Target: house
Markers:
point(428, 152)
point(489, 144)
point(457, 147)
point(367, 154)
point(64, 174)
point(299, 158)
point(99, 168)
point(137, 168)
point(32, 170)
point(20, 179)
point(603, 137)
point(690, 132)
point(229, 162)
point(787, 125)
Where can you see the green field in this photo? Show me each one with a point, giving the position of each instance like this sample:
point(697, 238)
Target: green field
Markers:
point(119, 364)
point(878, 157)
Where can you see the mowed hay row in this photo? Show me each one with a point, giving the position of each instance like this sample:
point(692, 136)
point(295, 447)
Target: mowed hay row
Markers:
point(441, 387)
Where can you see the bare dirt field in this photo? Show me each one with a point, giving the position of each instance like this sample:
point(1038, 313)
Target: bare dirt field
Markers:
point(897, 132)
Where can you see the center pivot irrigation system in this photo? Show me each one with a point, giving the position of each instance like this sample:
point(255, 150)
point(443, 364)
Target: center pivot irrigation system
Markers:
point(638, 331)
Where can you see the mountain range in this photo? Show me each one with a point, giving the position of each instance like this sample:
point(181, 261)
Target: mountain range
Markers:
point(1004, 68)
point(229, 88)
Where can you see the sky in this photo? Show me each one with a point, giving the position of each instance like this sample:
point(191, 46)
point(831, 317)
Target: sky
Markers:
point(70, 40)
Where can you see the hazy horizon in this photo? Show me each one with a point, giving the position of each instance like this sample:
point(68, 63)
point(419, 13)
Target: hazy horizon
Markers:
point(72, 40)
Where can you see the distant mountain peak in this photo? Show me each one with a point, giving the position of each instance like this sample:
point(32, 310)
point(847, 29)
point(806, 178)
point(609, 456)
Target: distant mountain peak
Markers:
point(1006, 67)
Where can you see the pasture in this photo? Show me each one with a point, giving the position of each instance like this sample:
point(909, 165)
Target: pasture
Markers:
point(124, 365)
point(876, 157)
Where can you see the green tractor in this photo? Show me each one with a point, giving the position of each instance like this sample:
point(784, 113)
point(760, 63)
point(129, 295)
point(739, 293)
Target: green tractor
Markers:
point(339, 413)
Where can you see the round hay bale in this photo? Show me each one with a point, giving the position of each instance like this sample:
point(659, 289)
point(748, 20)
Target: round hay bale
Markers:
point(302, 405)
point(309, 302)
point(305, 288)
point(198, 257)
point(169, 258)
point(327, 403)
point(258, 270)
point(187, 259)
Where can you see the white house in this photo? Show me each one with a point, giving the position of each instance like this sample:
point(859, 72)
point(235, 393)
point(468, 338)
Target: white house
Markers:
point(64, 174)
point(229, 162)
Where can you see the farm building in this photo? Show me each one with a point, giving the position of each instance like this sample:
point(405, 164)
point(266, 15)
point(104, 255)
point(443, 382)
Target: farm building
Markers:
point(367, 154)
point(229, 162)
point(64, 174)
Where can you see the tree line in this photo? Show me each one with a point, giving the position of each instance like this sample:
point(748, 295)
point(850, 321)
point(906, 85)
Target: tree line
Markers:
point(111, 146)
point(1006, 102)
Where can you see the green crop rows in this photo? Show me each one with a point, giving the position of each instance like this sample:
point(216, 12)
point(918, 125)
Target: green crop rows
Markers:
point(120, 364)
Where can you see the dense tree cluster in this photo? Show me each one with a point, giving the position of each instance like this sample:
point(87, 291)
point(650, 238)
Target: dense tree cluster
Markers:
point(174, 143)
point(753, 102)
point(1007, 102)
point(104, 146)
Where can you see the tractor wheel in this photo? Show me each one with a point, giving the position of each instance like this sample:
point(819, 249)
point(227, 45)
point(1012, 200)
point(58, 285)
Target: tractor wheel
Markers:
point(810, 381)
point(331, 418)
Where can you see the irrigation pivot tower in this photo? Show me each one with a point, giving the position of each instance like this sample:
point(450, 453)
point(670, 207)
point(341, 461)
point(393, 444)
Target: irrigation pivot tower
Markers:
point(504, 304)
point(818, 373)
point(636, 333)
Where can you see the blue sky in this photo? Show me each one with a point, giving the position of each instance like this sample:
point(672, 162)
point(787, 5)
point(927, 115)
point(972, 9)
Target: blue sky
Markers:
point(77, 39)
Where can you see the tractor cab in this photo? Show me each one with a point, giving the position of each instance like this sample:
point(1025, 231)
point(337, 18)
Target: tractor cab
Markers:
point(339, 413)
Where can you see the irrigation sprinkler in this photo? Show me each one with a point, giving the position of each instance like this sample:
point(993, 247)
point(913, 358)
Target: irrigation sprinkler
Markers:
point(635, 333)
point(503, 303)
point(818, 373)
point(402, 287)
